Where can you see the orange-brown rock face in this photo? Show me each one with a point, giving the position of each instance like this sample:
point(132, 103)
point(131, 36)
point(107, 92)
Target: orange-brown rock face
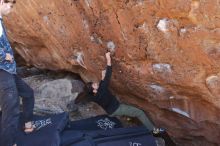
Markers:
point(167, 54)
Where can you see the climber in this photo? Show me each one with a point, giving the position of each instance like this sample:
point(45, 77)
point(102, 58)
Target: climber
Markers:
point(11, 87)
point(99, 93)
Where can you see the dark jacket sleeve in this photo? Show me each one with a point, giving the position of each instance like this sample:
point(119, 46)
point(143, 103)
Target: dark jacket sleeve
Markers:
point(108, 75)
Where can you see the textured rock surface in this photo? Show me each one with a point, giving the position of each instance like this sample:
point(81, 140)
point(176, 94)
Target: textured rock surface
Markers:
point(54, 95)
point(166, 54)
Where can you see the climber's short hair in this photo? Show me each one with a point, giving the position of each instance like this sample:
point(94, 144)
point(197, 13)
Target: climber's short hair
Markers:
point(85, 94)
point(89, 88)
